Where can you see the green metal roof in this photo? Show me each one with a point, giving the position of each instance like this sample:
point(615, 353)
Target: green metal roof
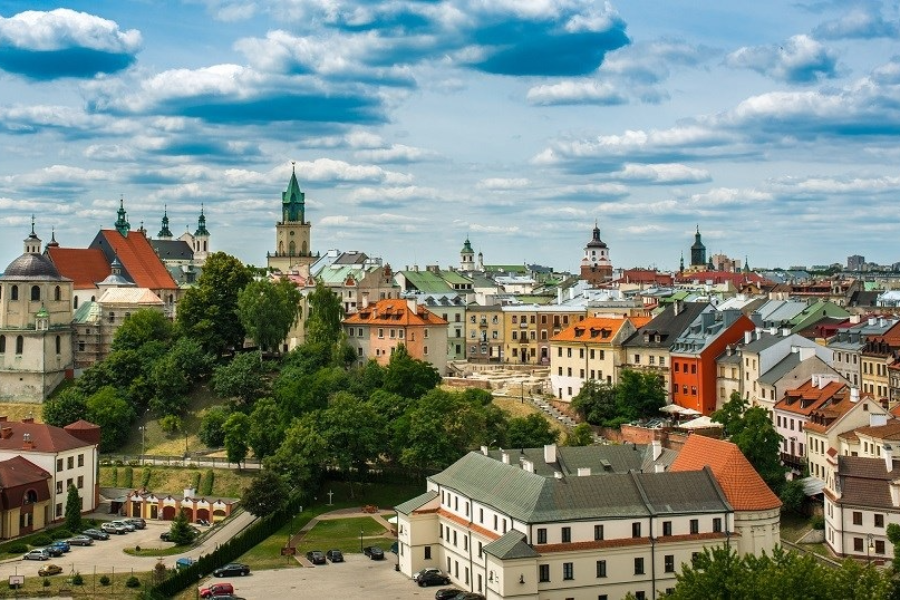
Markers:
point(426, 281)
point(415, 503)
point(507, 268)
point(511, 546)
point(88, 312)
point(452, 277)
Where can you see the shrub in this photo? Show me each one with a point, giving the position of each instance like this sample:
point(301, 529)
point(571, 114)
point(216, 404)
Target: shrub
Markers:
point(145, 477)
point(42, 540)
point(104, 580)
point(78, 579)
point(46, 582)
point(61, 533)
point(171, 424)
point(18, 548)
point(133, 582)
point(196, 482)
point(817, 522)
point(128, 481)
point(115, 476)
point(208, 480)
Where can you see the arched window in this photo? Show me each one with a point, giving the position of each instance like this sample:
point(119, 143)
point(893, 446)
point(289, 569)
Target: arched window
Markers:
point(58, 345)
point(30, 497)
point(304, 248)
point(20, 344)
point(35, 293)
point(2, 344)
point(76, 301)
point(93, 298)
point(14, 293)
point(292, 249)
point(112, 317)
point(57, 294)
point(204, 246)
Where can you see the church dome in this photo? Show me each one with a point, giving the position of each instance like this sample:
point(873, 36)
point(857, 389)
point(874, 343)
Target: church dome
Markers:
point(32, 267)
point(596, 242)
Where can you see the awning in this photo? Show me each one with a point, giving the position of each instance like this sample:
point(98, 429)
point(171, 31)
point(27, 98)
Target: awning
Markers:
point(699, 423)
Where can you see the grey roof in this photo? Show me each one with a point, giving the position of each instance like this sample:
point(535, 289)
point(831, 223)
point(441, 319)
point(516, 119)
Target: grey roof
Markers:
point(785, 366)
point(620, 458)
point(511, 546)
point(776, 312)
point(415, 503)
point(32, 267)
point(533, 498)
point(762, 342)
point(668, 324)
point(172, 249)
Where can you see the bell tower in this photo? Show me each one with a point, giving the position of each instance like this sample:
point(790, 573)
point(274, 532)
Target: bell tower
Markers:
point(596, 267)
point(292, 232)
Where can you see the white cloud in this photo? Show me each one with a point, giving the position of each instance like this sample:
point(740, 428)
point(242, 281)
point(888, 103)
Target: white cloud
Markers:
point(396, 153)
point(499, 183)
point(801, 59)
point(64, 28)
point(575, 92)
point(661, 174)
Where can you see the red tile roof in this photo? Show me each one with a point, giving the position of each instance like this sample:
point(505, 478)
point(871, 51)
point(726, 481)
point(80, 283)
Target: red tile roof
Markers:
point(86, 267)
point(394, 313)
point(20, 471)
point(743, 487)
point(808, 397)
point(43, 438)
point(136, 254)
point(593, 329)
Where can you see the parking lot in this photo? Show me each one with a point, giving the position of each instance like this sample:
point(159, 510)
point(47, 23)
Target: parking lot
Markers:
point(358, 577)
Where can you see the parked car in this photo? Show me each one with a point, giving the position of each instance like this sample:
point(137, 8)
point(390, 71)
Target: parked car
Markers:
point(316, 557)
point(96, 534)
point(216, 589)
point(128, 525)
point(374, 552)
point(138, 522)
point(54, 551)
point(114, 527)
point(184, 563)
point(426, 571)
point(334, 556)
point(447, 594)
point(80, 540)
point(232, 569)
point(62, 545)
point(226, 597)
point(433, 578)
point(166, 536)
point(50, 569)
point(37, 554)
point(468, 596)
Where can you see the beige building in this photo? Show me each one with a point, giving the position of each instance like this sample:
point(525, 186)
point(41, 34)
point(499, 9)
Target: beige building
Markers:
point(485, 333)
point(35, 326)
point(529, 328)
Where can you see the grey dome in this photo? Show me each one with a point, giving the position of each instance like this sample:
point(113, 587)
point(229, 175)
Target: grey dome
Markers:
point(32, 267)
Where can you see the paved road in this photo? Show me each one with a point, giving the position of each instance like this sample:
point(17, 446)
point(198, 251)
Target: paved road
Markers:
point(108, 556)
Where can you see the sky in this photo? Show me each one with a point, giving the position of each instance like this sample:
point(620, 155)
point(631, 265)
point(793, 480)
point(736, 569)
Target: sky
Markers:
point(414, 124)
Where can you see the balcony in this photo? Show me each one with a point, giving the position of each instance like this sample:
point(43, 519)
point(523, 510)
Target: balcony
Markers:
point(794, 462)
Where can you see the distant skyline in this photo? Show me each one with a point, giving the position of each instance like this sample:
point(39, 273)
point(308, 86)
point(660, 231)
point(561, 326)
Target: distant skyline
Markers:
point(415, 124)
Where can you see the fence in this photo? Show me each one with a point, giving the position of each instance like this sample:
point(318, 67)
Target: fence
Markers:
point(214, 462)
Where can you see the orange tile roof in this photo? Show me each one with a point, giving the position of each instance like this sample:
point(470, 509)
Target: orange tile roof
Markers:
point(492, 535)
point(743, 487)
point(137, 256)
point(394, 313)
point(813, 397)
point(592, 329)
point(84, 266)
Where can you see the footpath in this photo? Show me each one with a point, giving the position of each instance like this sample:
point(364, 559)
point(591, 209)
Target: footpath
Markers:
point(343, 513)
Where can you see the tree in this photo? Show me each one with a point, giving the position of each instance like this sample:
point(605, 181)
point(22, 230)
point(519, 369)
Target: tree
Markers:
point(66, 408)
point(73, 509)
point(266, 493)
point(353, 432)
point(532, 431)
point(731, 415)
point(181, 532)
point(236, 430)
point(268, 310)
point(893, 536)
point(408, 376)
point(793, 495)
point(211, 426)
point(581, 435)
point(300, 456)
point(596, 403)
point(266, 428)
point(242, 378)
point(142, 326)
point(113, 414)
point(752, 431)
point(208, 311)
point(323, 323)
point(640, 395)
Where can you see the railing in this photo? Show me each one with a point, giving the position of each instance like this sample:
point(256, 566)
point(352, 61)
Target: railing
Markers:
point(193, 460)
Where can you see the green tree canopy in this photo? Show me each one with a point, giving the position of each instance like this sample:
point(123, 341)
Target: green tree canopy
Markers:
point(581, 435)
point(532, 431)
point(108, 409)
point(300, 456)
point(266, 493)
point(65, 408)
point(596, 403)
point(323, 323)
point(408, 376)
point(211, 426)
point(266, 428)
point(237, 431)
point(142, 326)
point(268, 310)
point(73, 509)
point(640, 395)
point(181, 532)
point(208, 312)
point(753, 432)
point(243, 378)
point(353, 431)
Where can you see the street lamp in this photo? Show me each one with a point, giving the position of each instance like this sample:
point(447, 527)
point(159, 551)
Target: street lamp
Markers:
point(143, 429)
point(360, 541)
point(870, 547)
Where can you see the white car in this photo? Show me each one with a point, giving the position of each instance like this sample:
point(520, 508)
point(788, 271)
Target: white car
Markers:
point(126, 524)
point(114, 527)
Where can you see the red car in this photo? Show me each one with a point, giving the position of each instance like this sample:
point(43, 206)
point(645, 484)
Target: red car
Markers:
point(216, 589)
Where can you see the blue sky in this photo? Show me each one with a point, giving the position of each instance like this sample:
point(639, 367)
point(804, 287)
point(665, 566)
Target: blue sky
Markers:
point(416, 123)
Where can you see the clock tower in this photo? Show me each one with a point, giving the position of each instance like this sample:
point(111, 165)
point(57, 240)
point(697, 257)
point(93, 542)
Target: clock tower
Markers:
point(292, 245)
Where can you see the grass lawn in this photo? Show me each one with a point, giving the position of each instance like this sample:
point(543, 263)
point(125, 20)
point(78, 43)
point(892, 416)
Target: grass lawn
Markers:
point(90, 588)
point(794, 526)
point(17, 411)
point(344, 535)
point(227, 483)
point(156, 441)
point(516, 408)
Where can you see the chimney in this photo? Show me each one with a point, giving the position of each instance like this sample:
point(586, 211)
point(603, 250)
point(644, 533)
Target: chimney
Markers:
point(656, 446)
point(3, 419)
point(527, 465)
point(559, 295)
point(659, 468)
point(28, 419)
point(411, 305)
point(759, 331)
point(806, 353)
point(550, 453)
point(27, 443)
point(877, 419)
point(6, 433)
point(881, 322)
point(895, 492)
point(558, 474)
point(748, 336)
point(785, 332)
point(484, 450)
point(888, 457)
point(584, 471)
point(505, 457)
point(773, 330)
point(854, 395)
point(872, 321)
point(365, 300)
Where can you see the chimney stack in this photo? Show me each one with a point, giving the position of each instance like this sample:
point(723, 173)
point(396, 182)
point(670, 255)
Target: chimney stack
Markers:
point(584, 471)
point(27, 443)
point(888, 458)
point(550, 453)
point(657, 449)
point(854, 395)
point(505, 457)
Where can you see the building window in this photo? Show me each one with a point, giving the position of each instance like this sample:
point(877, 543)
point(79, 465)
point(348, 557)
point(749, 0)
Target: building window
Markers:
point(717, 525)
point(542, 536)
point(598, 532)
point(879, 546)
point(636, 530)
point(80, 482)
point(879, 520)
point(20, 344)
point(59, 509)
point(2, 344)
point(695, 526)
point(14, 293)
point(670, 563)
point(566, 535)
point(427, 552)
point(857, 518)
point(857, 544)
point(667, 527)
point(70, 463)
point(568, 571)
point(544, 573)
point(58, 345)
point(59, 465)
point(638, 566)
point(601, 568)
point(59, 489)
point(640, 595)
point(35, 293)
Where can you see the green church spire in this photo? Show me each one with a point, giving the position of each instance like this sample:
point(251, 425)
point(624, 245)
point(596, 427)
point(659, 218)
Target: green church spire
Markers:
point(122, 226)
point(165, 232)
point(201, 224)
point(293, 201)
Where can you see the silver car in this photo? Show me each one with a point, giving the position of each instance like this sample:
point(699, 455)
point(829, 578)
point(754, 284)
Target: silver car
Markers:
point(37, 554)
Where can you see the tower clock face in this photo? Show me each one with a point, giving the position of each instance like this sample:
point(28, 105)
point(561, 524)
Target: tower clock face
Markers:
point(292, 234)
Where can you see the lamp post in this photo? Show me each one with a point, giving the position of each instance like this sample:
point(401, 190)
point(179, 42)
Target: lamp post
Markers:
point(360, 541)
point(870, 547)
point(143, 429)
